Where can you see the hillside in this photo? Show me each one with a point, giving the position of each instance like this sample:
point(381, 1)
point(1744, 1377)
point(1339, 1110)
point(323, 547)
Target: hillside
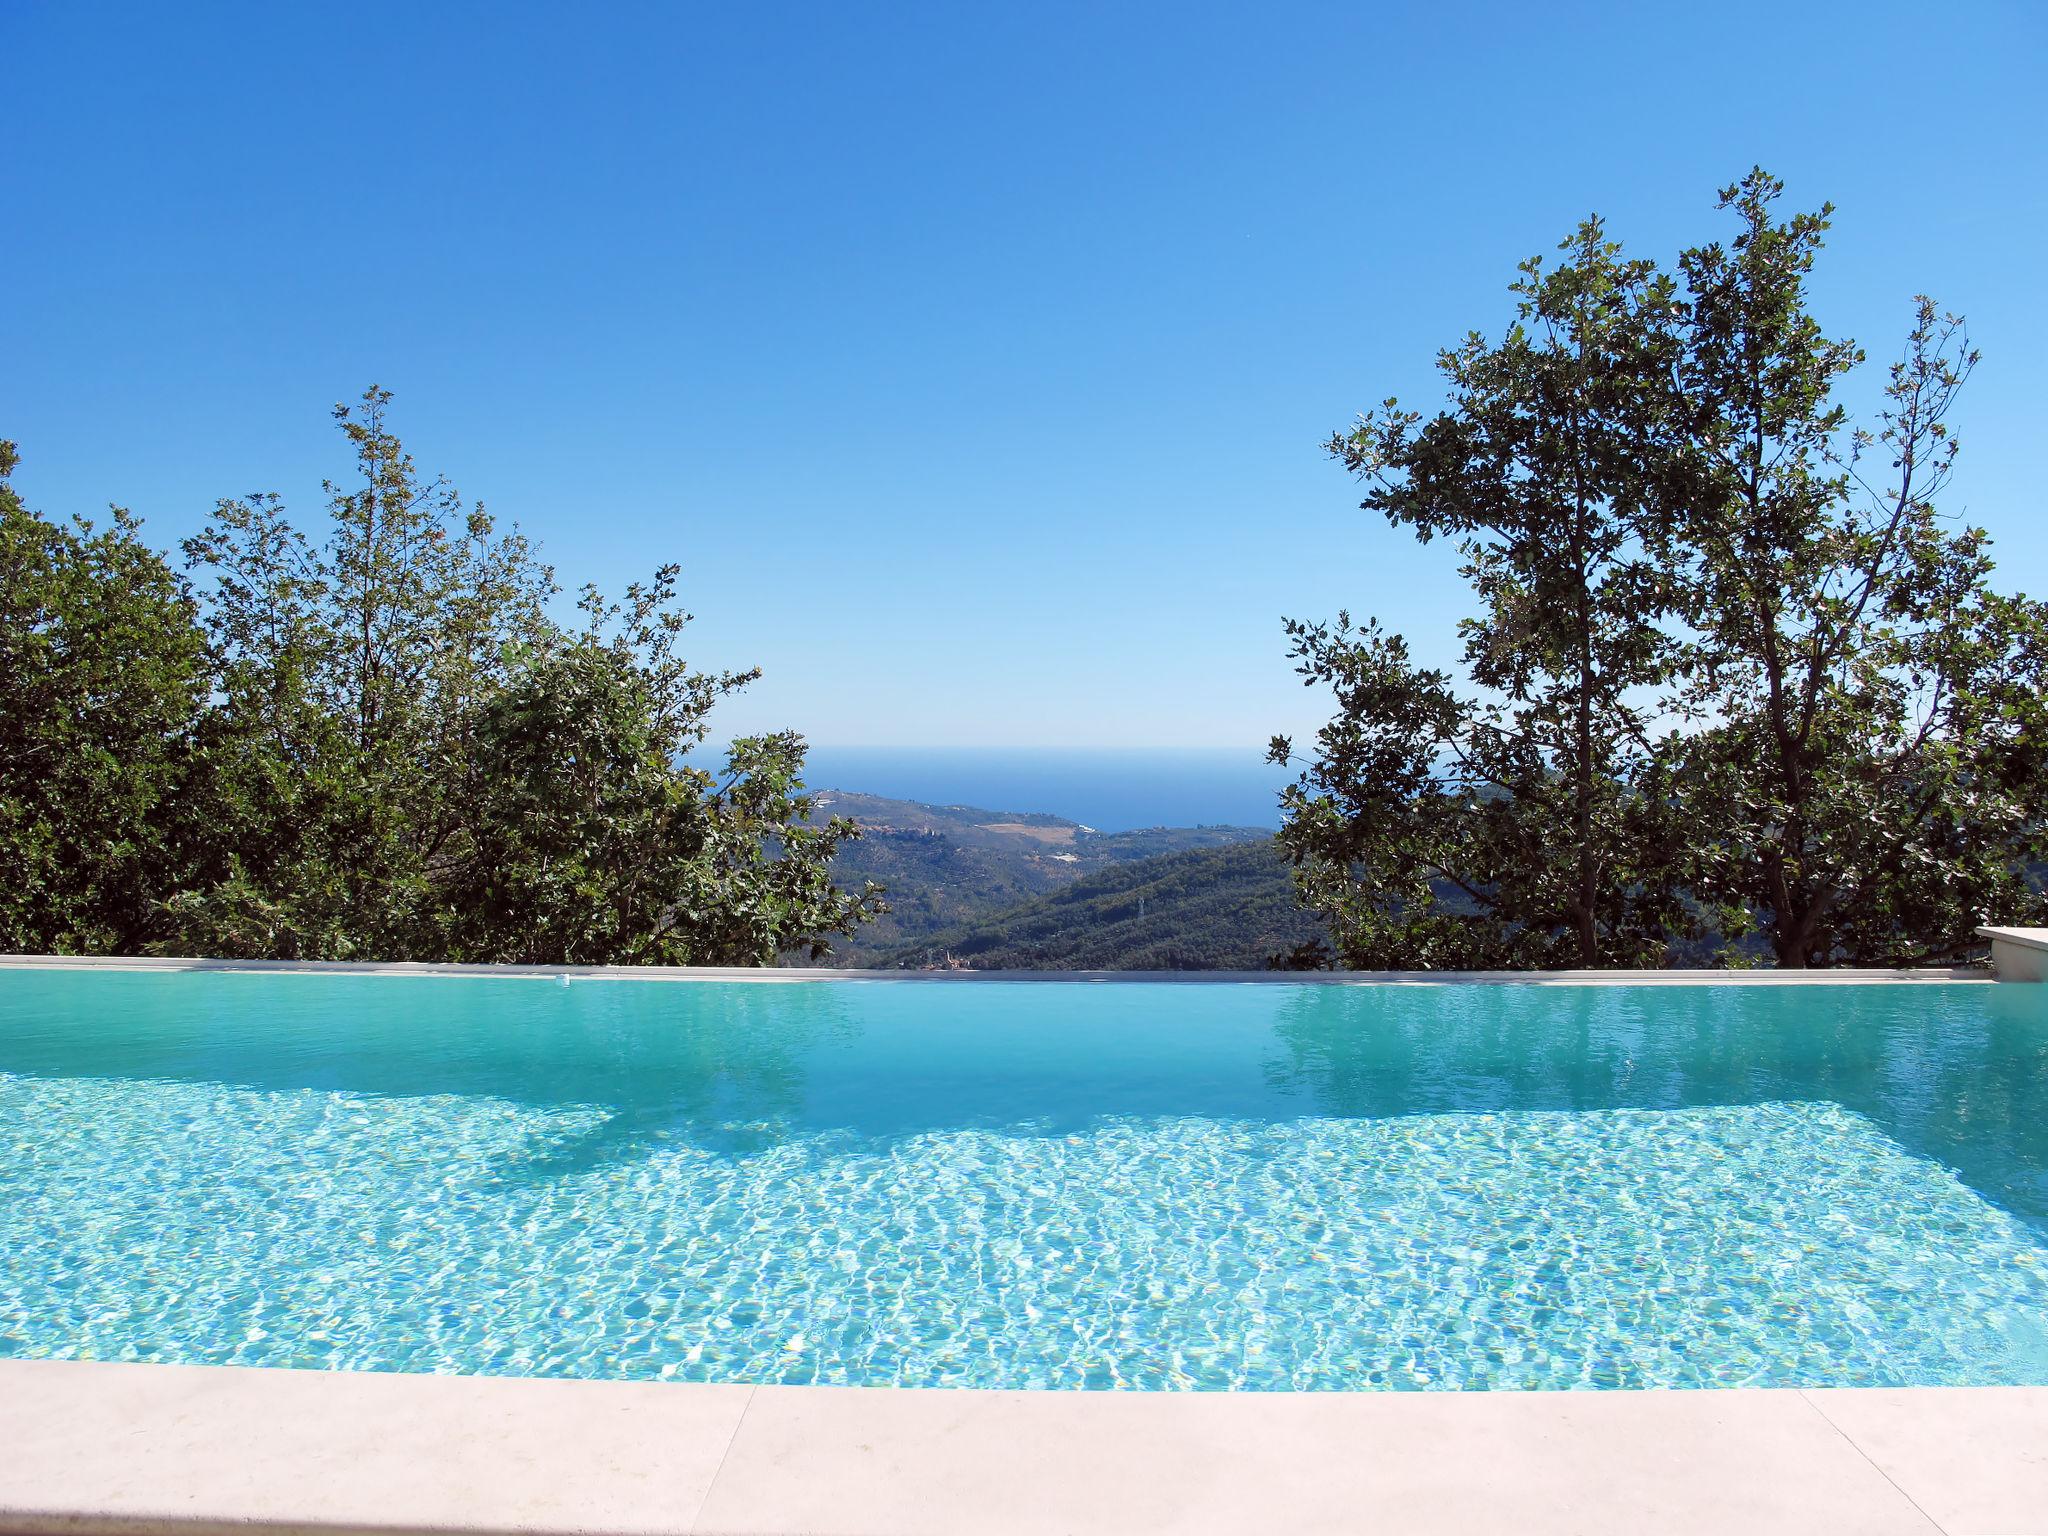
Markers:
point(1217, 908)
point(949, 866)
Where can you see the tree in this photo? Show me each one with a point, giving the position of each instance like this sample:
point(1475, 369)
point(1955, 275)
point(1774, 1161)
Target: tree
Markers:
point(351, 672)
point(1866, 783)
point(590, 839)
point(377, 743)
point(103, 678)
point(1725, 675)
point(1503, 822)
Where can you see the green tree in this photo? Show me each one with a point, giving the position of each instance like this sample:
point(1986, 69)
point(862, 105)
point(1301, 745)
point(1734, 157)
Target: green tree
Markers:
point(590, 838)
point(376, 743)
point(352, 672)
point(1500, 820)
point(1726, 675)
point(103, 678)
point(1865, 783)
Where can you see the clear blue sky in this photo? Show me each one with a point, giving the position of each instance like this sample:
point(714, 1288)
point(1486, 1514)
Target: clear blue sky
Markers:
point(973, 358)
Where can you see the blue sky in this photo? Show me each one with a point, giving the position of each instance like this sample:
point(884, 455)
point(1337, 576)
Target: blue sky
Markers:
point(973, 359)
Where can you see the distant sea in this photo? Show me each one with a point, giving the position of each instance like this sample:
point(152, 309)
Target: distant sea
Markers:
point(1109, 790)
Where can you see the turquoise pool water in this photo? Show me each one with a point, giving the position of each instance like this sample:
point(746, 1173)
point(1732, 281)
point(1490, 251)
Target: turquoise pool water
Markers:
point(1029, 1185)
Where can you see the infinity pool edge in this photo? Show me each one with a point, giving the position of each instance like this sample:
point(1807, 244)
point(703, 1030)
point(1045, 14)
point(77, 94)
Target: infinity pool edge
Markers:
point(776, 974)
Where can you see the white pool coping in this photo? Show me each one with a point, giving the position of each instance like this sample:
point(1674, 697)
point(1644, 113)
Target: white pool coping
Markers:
point(2018, 954)
point(115, 1449)
point(778, 974)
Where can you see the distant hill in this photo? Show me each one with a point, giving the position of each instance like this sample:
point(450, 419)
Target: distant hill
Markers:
point(948, 866)
point(1218, 908)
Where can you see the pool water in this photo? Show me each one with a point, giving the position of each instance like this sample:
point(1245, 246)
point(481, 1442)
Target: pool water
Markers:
point(1064, 1185)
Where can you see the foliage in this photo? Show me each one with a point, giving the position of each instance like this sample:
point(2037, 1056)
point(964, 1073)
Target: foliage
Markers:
point(1520, 792)
point(1723, 676)
point(391, 751)
point(103, 676)
point(1868, 779)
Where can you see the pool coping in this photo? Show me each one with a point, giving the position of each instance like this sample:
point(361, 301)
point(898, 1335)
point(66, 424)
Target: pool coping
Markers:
point(793, 974)
point(102, 1449)
point(2018, 954)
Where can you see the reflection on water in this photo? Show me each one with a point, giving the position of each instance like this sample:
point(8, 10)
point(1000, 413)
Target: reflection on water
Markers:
point(1955, 1072)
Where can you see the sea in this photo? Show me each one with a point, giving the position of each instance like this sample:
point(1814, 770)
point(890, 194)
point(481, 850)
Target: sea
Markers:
point(1111, 790)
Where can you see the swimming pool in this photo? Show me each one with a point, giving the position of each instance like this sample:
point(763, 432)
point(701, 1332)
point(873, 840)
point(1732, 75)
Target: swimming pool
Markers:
point(1068, 1185)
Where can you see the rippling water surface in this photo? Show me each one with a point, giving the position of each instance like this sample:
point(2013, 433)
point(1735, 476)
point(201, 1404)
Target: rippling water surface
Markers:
point(1029, 1185)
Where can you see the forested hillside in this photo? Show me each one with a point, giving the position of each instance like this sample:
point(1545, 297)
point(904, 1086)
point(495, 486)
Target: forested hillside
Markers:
point(1225, 908)
point(948, 867)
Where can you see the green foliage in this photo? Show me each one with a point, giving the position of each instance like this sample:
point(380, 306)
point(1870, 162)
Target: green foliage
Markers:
point(1866, 783)
point(1518, 793)
point(103, 675)
point(1724, 676)
point(389, 750)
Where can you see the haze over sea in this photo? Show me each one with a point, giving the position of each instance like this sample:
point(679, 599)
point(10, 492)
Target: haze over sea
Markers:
point(1109, 789)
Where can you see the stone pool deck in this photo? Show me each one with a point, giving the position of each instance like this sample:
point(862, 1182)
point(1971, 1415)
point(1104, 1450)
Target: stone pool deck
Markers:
point(100, 1448)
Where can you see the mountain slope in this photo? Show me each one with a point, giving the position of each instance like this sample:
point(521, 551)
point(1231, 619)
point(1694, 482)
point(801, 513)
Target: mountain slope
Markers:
point(949, 866)
point(1221, 908)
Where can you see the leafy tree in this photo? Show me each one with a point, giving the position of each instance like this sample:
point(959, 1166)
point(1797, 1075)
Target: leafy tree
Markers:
point(102, 674)
point(1725, 675)
point(1867, 785)
point(1502, 821)
point(352, 673)
point(376, 743)
point(589, 837)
